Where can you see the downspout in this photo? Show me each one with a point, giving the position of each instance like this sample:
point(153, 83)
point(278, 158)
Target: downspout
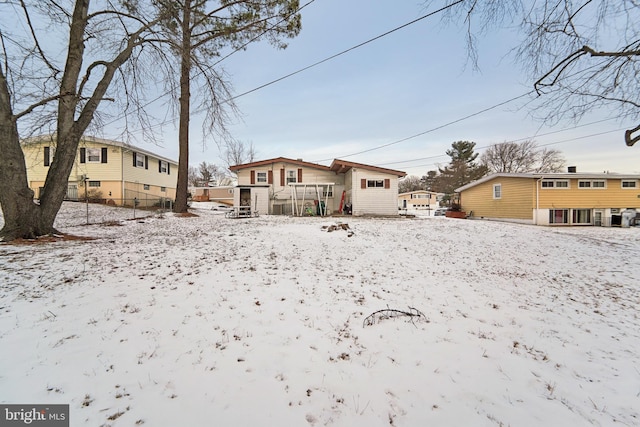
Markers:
point(538, 183)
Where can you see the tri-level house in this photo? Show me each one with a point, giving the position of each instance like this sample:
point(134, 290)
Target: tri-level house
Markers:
point(571, 198)
point(419, 199)
point(108, 171)
point(295, 187)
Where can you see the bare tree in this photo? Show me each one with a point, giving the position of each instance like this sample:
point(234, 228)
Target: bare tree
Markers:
point(410, 183)
point(583, 55)
point(513, 157)
point(38, 90)
point(550, 160)
point(236, 152)
point(196, 31)
point(194, 177)
point(104, 41)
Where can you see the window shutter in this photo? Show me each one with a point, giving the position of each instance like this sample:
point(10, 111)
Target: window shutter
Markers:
point(282, 177)
point(47, 152)
point(104, 155)
point(159, 166)
point(270, 177)
point(387, 183)
point(134, 158)
point(168, 168)
point(83, 155)
point(253, 177)
point(146, 162)
point(363, 183)
point(300, 175)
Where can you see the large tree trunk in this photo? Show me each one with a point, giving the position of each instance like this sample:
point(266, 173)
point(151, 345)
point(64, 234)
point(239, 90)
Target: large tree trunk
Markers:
point(185, 99)
point(21, 215)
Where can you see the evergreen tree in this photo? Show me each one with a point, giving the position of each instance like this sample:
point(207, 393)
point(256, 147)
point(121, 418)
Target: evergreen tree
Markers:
point(462, 169)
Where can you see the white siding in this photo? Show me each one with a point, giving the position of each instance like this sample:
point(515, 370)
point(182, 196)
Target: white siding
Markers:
point(374, 201)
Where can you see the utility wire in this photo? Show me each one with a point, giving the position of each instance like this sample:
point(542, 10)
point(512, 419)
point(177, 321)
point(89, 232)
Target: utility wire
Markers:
point(577, 138)
point(442, 9)
point(514, 140)
point(435, 128)
point(242, 47)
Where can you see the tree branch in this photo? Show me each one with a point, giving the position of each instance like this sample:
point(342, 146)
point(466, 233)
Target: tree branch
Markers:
point(35, 39)
point(631, 140)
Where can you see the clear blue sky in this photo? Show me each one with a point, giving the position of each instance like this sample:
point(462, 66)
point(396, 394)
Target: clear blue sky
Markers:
point(407, 83)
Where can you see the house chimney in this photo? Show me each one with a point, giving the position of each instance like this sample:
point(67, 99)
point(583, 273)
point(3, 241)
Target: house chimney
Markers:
point(571, 169)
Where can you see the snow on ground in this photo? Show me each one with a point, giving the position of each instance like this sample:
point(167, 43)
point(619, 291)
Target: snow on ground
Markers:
point(209, 321)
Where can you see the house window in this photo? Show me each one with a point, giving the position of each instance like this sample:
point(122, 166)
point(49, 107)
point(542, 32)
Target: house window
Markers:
point(163, 189)
point(375, 183)
point(581, 216)
point(138, 160)
point(145, 186)
point(497, 191)
point(558, 216)
point(163, 167)
point(591, 184)
point(93, 155)
point(292, 177)
point(327, 191)
point(94, 183)
point(555, 184)
point(262, 177)
point(629, 184)
point(48, 155)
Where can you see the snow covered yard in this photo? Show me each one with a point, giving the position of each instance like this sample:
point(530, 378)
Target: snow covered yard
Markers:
point(208, 321)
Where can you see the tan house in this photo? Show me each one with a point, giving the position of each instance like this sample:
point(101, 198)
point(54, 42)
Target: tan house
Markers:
point(285, 186)
point(107, 171)
point(221, 194)
point(601, 199)
point(419, 200)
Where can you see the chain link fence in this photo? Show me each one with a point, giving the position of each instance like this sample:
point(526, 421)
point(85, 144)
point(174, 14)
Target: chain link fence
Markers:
point(111, 210)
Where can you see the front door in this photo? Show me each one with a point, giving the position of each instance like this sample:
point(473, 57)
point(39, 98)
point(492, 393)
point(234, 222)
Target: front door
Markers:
point(597, 218)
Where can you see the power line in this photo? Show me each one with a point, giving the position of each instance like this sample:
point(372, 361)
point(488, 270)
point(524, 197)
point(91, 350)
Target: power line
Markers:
point(242, 47)
point(542, 145)
point(514, 140)
point(442, 9)
point(435, 128)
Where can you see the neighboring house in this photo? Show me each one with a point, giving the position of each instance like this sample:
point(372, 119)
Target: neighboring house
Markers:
point(419, 199)
point(294, 187)
point(553, 198)
point(222, 194)
point(106, 171)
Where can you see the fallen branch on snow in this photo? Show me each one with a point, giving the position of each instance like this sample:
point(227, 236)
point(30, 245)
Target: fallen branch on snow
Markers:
point(388, 313)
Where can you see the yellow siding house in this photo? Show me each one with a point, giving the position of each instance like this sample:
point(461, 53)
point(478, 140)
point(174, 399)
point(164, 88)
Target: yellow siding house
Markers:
point(106, 171)
point(601, 199)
